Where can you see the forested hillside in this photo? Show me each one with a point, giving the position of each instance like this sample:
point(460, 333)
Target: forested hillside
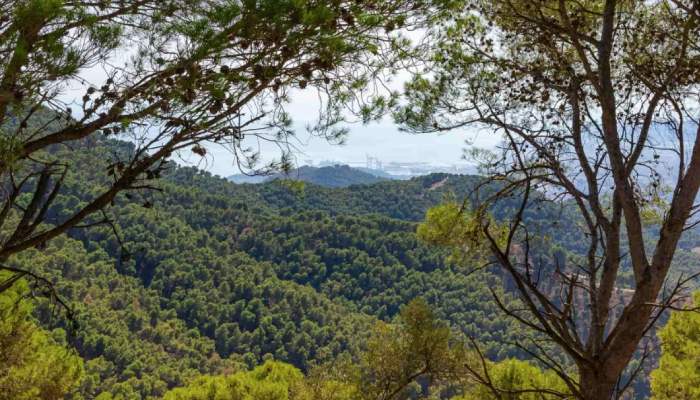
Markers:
point(205, 273)
point(565, 270)
point(204, 276)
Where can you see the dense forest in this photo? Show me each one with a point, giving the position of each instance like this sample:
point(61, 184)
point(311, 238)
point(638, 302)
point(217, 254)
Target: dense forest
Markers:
point(205, 276)
point(208, 271)
point(566, 269)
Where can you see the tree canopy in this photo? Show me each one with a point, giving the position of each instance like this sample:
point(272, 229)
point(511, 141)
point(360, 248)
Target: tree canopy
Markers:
point(217, 275)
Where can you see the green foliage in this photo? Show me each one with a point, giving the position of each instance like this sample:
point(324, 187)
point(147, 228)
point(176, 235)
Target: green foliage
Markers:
point(527, 71)
point(273, 380)
point(214, 275)
point(133, 348)
point(193, 66)
point(205, 235)
point(416, 357)
point(678, 374)
point(34, 363)
point(138, 343)
point(450, 225)
point(251, 272)
point(270, 381)
point(398, 356)
point(517, 380)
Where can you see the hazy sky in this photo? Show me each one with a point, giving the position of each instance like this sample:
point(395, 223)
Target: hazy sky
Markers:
point(380, 140)
point(383, 141)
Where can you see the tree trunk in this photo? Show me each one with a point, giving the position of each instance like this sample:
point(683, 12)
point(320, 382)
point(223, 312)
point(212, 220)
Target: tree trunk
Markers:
point(597, 383)
point(598, 380)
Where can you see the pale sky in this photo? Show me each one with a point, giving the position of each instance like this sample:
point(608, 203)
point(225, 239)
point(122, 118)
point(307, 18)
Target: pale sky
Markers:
point(381, 140)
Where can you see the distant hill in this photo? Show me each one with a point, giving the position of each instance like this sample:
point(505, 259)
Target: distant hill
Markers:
point(242, 178)
point(336, 176)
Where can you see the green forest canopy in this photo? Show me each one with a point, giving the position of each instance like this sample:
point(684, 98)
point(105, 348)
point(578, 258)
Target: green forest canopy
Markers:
point(216, 277)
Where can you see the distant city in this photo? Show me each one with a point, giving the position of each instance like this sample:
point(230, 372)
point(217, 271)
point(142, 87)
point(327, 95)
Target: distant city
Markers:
point(397, 169)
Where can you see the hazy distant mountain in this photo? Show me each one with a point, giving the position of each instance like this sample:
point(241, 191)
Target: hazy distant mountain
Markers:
point(381, 174)
point(241, 178)
point(329, 176)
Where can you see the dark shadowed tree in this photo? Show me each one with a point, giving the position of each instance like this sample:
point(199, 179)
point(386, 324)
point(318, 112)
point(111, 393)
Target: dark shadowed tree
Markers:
point(597, 105)
point(168, 76)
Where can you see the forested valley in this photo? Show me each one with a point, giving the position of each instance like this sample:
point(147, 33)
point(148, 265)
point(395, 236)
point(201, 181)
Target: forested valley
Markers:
point(203, 280)
point(208, 274)
point(567, 266)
